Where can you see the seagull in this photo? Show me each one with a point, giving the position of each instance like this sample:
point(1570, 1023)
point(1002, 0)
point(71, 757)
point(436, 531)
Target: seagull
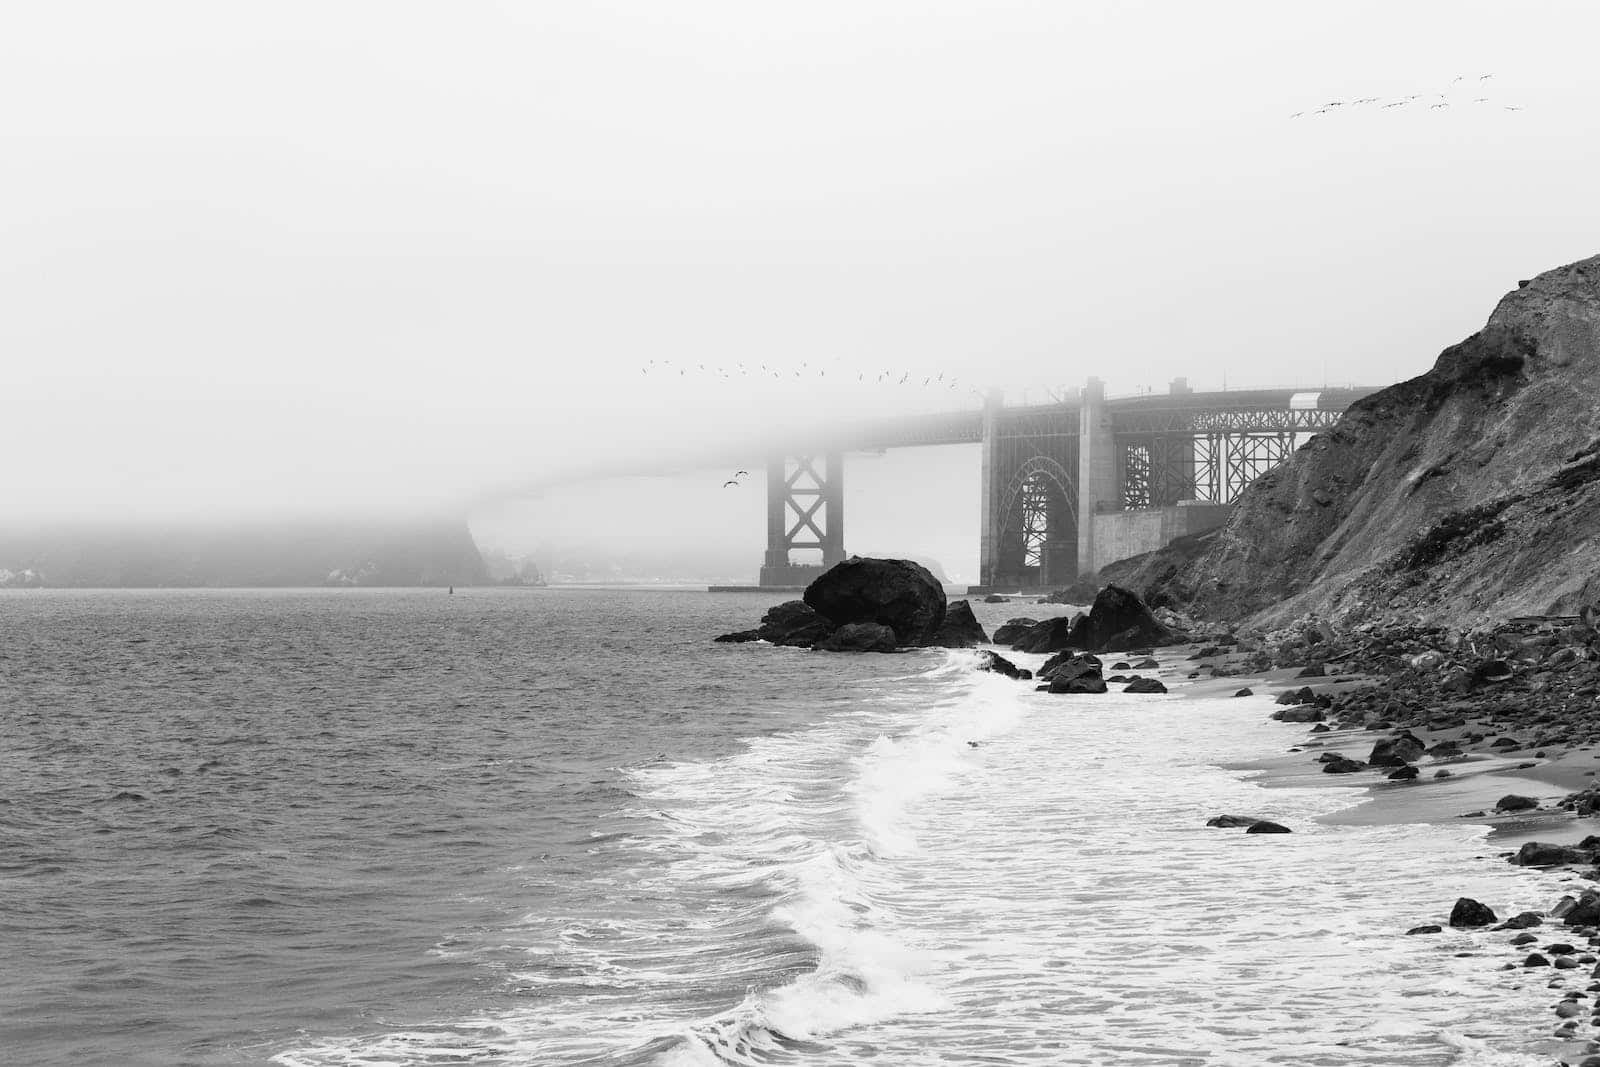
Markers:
point(1397, 103)
point(1485, 77)
point(1480, 100)
point(741, 474)
point(1436, 107)
point(1297, 114)
point(730, 481)
point(1510, 108)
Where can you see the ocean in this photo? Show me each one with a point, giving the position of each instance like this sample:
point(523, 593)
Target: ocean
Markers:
point(519, 826)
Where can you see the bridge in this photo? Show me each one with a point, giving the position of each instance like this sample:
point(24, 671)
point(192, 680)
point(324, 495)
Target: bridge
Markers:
point(1068, 486)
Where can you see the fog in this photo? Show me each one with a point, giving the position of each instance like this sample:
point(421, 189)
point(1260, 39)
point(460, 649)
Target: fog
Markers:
point(363, 258)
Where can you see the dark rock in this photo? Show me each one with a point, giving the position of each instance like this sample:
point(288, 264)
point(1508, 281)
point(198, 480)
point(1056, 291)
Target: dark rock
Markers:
point(1072, 663)
point(1431, 928)
point(1290, 697)
point(1145, 685)
point(1585, 911)
point(1492, 670)
point(1231, 822)
point(1512, 802)
point(1246, 692)
point(1265, 827)
point(1343, 765)
point(960, 628)
point(1316, 670)
point(1010, 631)
point(858, 637)
point(1541, 854)
point(1300, 713)
point(896, 593)
point(1051, 635)
point(994, 599)
point(993, 661)
point(1535, 960)
point(1522, 921)
point(1122, 665)
point(1082, 684)
point(1119, 619)
point(739, 637)
point(1469, 913)
point(1523, 939)
point(794, 623)
point(1397, 751)
point(1321, 728)
point(1147, 665)
point(1404, 774)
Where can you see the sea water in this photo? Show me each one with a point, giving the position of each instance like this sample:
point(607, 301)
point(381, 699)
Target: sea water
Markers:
point(562, 827)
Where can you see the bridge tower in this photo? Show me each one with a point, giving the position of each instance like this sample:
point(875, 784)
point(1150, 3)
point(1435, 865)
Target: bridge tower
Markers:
point(1029, 474)
point(805, 510)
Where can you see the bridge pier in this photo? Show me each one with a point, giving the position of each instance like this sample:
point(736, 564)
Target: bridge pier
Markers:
point(805, 511)
point(1099, 482)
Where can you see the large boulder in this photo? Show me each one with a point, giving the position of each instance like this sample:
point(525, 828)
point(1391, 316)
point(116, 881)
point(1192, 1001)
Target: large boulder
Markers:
point(1397, 751)
point(1145, 685)
point(858, 637)
point(896, 593)
point(1118, 619)
point(1469, 913)
point(1071, 663)
point(960, 628)
point(1011, 631)
point(1051, 635)
point(1087, 683)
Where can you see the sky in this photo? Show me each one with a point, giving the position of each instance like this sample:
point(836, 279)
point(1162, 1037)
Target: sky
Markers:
point(393, 256)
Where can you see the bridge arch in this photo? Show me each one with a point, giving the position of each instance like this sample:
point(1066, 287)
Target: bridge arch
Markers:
point(1039, 525)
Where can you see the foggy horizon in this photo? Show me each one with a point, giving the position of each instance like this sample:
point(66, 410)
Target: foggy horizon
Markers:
point(379, 260)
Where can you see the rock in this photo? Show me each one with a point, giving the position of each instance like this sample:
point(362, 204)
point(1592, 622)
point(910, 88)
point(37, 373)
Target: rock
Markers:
point(1430, 928)
point(793, 623)
point(1585, 911)
point(739, 637)
point(1535, 960)
point(1231, 822)
point(1147, 664)
point(1010, 631)
point(1051, 635)
point(858, 637)
point(1299, 713)
point(1343, 765)
point(1468, 913)
point(1265, 827)
point(1070, 665)
point(993, 661)
point(1290, 697)
point(1122, 665)
point(1404, 774)
point(1315, 670)
point(1082, 684)
point(1540, 854)
point(960, 628)
point(1118, 618)
point(1246, 692)
point(1522, 921)
point(1397, 751)
point(1523, 939)
point(896, 593)
point(994, 599)
point(1144, 685)
point(1512, 802)
point(1492, 670)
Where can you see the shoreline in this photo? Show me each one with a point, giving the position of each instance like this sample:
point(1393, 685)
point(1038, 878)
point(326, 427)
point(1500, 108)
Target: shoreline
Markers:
point(1477, 780)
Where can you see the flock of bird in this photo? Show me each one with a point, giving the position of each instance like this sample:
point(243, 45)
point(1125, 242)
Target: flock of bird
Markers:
point(805, 371)
point(1437, 101)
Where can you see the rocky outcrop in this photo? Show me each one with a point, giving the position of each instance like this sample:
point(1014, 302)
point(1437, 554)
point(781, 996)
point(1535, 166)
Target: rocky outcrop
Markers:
point(1467, 495)
point(998, 664)
point(960, 628)
point(1118, 619)
point(896, 593)
point(1050, 635)
point(858, 637)
point(794, 623)
point(1012, 630)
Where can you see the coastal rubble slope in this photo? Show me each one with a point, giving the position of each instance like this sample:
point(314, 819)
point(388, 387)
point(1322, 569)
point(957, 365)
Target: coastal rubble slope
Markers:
point(1466, 495)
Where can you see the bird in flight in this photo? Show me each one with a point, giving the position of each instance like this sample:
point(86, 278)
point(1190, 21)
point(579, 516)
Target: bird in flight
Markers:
point(1435, 107)
point(1485, 77)
point(741, 474)
point(1397, 103)
point(1511, 108)
point(730, 481)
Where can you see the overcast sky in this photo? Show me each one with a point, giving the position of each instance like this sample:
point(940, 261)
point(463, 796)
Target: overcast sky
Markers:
point(377, 255)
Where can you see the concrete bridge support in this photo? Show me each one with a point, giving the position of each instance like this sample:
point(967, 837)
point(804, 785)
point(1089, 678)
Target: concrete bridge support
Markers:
point(805, 511)
point(1099, 478)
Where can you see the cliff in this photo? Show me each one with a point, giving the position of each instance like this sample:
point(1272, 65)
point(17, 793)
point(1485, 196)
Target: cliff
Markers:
point(1463, 496)
point(405, 552)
